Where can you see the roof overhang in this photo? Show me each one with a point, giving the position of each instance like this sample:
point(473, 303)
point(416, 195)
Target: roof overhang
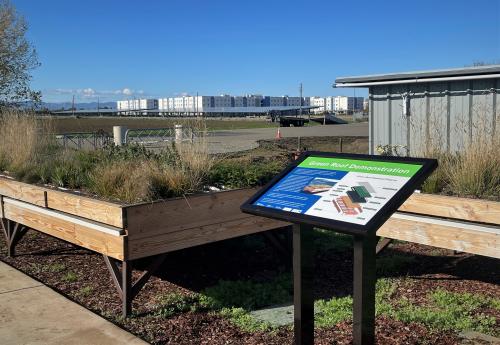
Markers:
point(469, 73)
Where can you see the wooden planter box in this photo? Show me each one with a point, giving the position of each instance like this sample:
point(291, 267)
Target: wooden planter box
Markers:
point(460, 224)
point(123, 233)
point(129, 232)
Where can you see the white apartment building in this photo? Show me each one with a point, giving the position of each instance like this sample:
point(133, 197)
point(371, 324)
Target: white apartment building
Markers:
point(185, 103)
point(137, 104)
point(330, 104)
point(344, 103)
point(336, 104)
point(318, 102)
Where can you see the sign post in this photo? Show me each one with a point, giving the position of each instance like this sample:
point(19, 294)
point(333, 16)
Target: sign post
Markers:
point(347, 193)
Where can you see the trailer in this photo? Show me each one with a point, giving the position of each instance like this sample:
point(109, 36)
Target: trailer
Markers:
point(287, 121)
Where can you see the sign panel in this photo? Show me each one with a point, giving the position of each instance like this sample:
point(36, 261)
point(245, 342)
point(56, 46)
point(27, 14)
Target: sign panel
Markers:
point(339, 189)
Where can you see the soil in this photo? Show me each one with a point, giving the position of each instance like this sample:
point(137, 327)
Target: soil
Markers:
point(49, 260)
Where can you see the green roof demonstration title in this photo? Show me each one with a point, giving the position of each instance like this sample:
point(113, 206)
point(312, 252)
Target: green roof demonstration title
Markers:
point(363, 166)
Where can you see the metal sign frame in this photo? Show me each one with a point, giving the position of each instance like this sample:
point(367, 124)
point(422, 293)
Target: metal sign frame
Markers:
point(428, 165)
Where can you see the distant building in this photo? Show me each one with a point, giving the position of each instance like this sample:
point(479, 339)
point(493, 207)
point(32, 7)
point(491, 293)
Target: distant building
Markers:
point(293, 101)
point(348, 104)
point(319, 103)
point(199, 104)
point(137, 104)
point(254, 100)
point(222, 101)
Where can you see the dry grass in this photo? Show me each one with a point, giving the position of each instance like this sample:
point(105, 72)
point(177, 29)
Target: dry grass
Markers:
point(152, 179)
point(183, 168)
point(472, 171)
point(23, 138)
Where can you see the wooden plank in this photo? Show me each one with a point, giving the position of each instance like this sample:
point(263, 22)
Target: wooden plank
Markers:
point(474, 210)
point(73, 232)
point(172, 215)
point(450, 235)
point(97, 210)
point(143, 247)
point(23, 191)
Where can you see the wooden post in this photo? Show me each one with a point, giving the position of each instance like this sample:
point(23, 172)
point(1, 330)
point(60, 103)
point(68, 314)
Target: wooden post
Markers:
point(126, 289)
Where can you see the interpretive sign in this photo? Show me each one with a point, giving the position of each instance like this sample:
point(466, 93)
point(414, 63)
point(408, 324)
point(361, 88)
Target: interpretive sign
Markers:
point(348, 193)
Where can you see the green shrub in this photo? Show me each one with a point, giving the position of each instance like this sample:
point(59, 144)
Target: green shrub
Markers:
point(244, 320)
point(242, 173)
point(174, 303)
point(449, 311)
point(333, 311)
point(70, 277)
point(248, 295)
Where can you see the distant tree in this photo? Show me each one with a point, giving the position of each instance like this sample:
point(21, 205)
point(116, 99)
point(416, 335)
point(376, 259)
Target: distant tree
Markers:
point(17, 58)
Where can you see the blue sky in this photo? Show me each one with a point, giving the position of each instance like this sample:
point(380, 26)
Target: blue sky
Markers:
point(117, 49)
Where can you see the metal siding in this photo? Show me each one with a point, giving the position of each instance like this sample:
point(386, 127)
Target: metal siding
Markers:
point(437, 115)
point(459, 114)
point(445, 110)
point(418, 118)
point(398, 125)
point(381, 116)
point(482, 107)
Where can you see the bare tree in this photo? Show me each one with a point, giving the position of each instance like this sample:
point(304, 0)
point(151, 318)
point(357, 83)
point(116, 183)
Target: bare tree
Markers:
point(17, 58)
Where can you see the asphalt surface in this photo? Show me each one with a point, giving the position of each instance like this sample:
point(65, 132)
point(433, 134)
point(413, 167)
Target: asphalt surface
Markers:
point(246, 139)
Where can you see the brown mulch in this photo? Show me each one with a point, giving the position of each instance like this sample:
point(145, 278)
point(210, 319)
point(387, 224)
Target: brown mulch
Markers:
point(49, 260)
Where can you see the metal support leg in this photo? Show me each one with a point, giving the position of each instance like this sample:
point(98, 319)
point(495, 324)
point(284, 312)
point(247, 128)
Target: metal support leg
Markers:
point(122, 278)
point(13, 233)
point(364, 290)
point(303, 273)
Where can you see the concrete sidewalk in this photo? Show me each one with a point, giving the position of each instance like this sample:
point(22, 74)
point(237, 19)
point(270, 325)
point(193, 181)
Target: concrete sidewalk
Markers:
point(31, 313)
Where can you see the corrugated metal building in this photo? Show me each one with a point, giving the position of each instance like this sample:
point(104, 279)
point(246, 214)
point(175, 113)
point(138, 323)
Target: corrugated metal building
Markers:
point(443, 108)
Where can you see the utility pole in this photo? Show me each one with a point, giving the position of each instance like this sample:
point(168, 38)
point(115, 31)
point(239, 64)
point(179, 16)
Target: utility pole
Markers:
point(300, 111)
point(73, 106)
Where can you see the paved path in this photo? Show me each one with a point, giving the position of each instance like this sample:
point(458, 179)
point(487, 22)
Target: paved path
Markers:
point(246, 139)
point(31, 313)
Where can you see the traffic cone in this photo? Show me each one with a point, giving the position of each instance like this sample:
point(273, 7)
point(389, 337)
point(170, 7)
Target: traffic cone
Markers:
point(278, 134)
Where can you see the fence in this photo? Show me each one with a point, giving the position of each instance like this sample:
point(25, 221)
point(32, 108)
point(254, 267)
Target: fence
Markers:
point(158, 136)
point(84, 140)
point(150, 137)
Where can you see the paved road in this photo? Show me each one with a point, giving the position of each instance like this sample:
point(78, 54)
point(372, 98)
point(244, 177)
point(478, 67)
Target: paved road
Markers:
point(246, 139)
point(31, 313)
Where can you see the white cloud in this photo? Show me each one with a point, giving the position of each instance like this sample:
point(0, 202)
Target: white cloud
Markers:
point(91, 94)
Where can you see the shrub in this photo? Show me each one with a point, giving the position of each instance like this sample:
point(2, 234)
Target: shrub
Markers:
point(241, 173)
